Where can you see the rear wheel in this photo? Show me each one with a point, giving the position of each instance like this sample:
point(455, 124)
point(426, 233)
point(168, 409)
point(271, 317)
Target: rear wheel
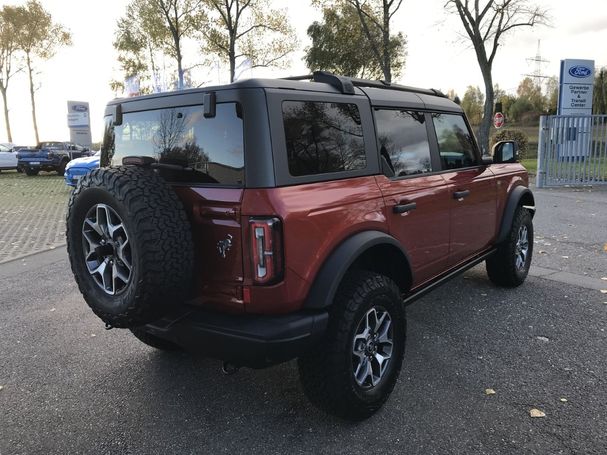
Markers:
point(31, 172)
point(510, 264)
point(353, 370)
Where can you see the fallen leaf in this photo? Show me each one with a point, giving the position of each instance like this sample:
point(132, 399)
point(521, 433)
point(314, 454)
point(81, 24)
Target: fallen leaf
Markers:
point(542, 252)
point(544, 339)
point(605, 248)
point(1, 387)
point(604, 278)
point(563, 400)
point(489, 392)
point(536, 413)
point(52, 309)
point(565, 257)
point(93, 335)
point(603, 291)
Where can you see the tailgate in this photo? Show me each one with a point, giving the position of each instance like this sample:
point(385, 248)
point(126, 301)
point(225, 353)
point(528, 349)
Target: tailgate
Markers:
point(217, 232)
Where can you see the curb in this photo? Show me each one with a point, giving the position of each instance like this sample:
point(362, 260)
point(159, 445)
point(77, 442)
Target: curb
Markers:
point(24, 256)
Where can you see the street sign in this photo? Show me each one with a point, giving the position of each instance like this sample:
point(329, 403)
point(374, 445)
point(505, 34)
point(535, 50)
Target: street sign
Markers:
point(498, 120)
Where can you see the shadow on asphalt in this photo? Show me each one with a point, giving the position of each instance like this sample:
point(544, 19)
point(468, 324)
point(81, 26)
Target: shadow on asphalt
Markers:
point(68, 391)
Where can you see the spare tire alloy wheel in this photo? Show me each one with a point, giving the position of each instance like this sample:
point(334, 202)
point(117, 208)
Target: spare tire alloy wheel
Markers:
point(372, 347)
point(130, 245)
point(106, 248)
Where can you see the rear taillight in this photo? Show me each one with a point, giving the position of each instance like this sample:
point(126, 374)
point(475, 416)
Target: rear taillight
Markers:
point(266, 249)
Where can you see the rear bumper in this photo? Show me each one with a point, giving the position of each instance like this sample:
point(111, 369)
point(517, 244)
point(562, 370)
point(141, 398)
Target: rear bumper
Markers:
point(37, 163)
point(254, 341)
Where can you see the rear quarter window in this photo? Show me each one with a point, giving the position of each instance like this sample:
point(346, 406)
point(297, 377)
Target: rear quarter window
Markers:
point(201, 150)
point(323, 137)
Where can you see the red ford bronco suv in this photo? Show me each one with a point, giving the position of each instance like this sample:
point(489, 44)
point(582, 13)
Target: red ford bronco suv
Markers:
point(268, 220)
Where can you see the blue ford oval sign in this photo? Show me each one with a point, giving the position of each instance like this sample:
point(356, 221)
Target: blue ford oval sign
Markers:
point(83, 108)
point(580, 71)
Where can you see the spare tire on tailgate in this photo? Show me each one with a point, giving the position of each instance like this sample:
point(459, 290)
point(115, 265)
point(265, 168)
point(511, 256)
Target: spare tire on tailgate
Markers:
point(130, 245)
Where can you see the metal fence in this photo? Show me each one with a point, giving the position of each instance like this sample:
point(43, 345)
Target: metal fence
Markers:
point(572, 150)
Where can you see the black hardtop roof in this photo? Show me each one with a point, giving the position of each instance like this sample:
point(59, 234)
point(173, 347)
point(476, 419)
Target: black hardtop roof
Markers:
point(324, 82)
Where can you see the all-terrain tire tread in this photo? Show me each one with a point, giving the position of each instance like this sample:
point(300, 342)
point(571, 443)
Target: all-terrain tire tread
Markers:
point(501, 266)
point(159, 226)
point(321, 372)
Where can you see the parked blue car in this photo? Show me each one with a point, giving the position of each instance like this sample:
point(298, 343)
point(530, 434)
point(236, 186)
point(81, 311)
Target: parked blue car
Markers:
point(76, 169)
point(49, 156)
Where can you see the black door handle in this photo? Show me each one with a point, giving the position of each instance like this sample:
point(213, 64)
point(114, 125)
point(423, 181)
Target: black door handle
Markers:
point(461, 194)
point(404, 208)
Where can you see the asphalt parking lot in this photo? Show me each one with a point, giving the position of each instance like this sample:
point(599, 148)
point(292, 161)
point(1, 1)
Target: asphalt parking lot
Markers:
point(69, 386)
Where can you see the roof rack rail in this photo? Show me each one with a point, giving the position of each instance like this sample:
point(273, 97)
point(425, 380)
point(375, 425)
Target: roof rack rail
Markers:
point(346, 84)
point(402, 88)
point(305, 77)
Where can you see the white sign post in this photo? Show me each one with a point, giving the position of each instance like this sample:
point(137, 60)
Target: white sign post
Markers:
point(79, 122)
point(575, 99)
point(576, 87)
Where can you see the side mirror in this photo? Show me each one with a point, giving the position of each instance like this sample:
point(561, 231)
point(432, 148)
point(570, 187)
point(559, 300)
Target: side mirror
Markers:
point(505, 152)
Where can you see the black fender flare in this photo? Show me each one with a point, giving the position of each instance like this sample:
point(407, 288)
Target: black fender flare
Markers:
point(514, 200)
point(342, 258)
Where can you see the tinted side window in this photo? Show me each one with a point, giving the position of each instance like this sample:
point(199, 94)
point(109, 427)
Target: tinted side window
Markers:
point(323, 137)
point(403, 141)
point(455, 142)
point(210, 150)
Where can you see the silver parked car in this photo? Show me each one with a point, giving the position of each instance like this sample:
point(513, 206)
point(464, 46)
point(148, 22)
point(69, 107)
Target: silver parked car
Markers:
point(8, 157)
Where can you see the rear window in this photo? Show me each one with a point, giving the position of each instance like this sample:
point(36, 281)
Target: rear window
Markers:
point(323, 137)
point(195, 149)
point(50, 145)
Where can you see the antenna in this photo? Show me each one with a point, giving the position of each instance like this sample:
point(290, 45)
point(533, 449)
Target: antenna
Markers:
point(539, 62)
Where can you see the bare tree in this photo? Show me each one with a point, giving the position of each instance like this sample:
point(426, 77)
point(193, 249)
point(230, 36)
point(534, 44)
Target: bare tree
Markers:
point(8, 50)
point(152, 25)
point(486, 22)
point(248, 29)
point(38, 38)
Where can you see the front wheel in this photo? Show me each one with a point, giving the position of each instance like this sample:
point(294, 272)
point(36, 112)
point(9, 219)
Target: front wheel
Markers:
point(510, 264)
point(353, 370)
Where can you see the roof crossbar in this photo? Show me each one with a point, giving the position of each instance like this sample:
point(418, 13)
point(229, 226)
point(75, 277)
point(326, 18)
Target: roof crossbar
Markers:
point(346, 84)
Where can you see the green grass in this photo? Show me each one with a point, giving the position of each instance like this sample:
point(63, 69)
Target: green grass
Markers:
point(531, 165)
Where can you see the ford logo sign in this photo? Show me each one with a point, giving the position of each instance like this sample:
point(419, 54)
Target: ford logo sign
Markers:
point(580, 71)
point(83, 108)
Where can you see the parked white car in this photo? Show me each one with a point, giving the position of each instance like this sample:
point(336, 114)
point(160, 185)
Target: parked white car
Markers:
point(8, 158)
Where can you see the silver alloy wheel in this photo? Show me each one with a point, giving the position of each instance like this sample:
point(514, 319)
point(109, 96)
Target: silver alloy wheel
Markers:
point(522, 247)
point(372, 347)
point(107, 251)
